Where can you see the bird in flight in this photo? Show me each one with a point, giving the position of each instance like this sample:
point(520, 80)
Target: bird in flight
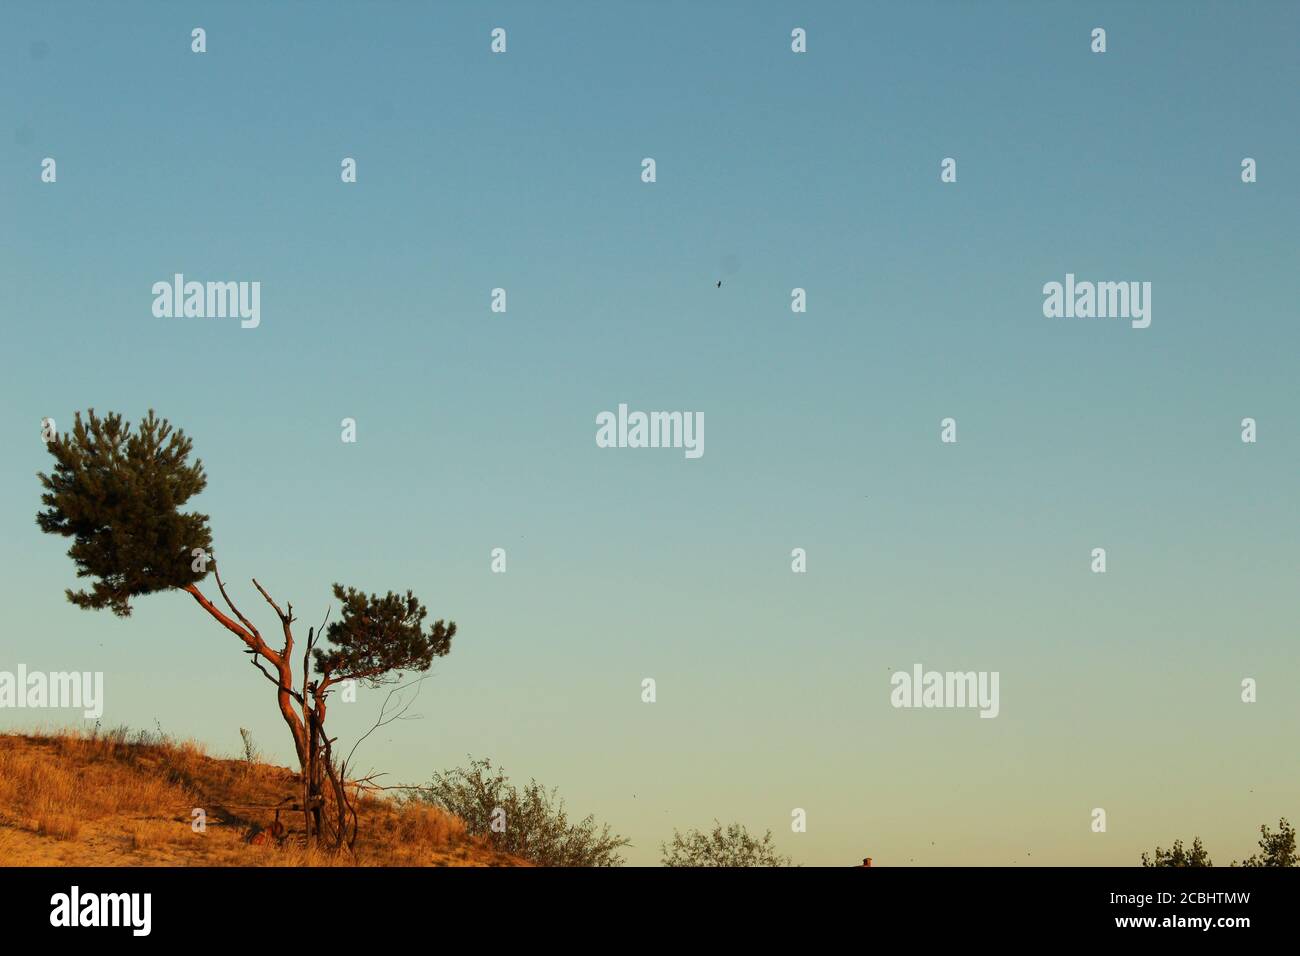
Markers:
point(719, 283)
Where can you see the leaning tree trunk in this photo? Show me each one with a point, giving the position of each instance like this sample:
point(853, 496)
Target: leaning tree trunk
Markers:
point(306, 723)
point(305, 727)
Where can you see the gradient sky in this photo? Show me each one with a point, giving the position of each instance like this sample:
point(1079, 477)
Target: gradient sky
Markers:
point(476, 430)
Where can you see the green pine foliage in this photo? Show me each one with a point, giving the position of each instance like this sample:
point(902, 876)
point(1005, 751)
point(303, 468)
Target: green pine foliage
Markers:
point(378, 636)
point(118, 494)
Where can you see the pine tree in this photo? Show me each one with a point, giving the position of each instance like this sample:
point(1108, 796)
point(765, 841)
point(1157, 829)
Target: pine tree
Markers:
point(118, 495)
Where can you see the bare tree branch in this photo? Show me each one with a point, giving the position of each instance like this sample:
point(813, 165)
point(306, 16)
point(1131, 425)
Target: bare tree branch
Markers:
point(258, 664)
point(271, 601)
point(231, 604)
point(285, 619)
point(252, 639)
point(382, 722)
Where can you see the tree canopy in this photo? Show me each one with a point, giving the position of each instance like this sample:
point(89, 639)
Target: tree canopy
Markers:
point(1177, 856)
point(118, 493)
point(379, 636)
point(1275, 849)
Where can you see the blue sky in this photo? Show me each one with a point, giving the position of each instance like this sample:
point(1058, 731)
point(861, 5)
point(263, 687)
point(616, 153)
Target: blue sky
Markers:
point(476, 430)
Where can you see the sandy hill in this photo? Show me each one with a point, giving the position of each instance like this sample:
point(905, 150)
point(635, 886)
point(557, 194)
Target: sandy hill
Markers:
point(72, 799)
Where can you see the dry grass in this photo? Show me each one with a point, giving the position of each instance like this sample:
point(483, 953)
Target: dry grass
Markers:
point(61, 826)
point(117, 799)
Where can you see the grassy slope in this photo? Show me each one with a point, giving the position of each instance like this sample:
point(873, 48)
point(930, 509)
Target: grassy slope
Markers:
point(69, 799)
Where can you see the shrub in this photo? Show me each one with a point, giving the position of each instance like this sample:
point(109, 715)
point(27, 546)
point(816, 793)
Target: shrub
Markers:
point(730, 847)
point(529, 822)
